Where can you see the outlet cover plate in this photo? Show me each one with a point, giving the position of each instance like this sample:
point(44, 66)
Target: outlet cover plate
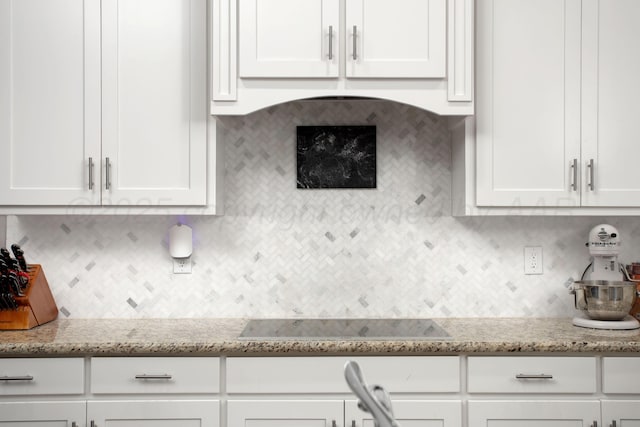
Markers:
point(533, 260)
point(182, 265)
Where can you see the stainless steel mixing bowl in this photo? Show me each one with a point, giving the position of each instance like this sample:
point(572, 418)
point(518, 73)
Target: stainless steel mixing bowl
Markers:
point(604, 299)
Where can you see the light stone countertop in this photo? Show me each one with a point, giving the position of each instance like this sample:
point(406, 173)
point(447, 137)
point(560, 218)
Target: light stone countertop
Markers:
point(113, 337)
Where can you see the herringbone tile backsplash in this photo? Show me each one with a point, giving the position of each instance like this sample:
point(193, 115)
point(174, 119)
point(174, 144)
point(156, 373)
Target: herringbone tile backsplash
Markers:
point(393, 251)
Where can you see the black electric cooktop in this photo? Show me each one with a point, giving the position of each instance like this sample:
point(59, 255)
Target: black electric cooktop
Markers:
point(418, 329)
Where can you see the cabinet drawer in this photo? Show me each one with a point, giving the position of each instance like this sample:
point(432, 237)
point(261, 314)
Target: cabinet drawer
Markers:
point(621, 375)
point(282, 413)
point(155, 375)
point(41, 376)
point(532, 375)
point(409, 374)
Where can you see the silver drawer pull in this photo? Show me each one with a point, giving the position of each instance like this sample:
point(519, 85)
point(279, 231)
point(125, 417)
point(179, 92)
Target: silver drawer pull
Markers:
point(534, 377)
point(153, 377)
point(17, 378)
point(330, 42)
point(355, 43)
point(574, 175)
point(90, 173)
point(107, 174)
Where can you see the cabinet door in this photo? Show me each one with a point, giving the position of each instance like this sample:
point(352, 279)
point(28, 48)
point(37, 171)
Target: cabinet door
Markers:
point(621, 375)
point(625, 413)
point(285, 413)
point(410, 413)
point(560, 413)
point(49, 101)
point(289, 38)
point(528, 102)
point(403, 38)
point(154, 102)
point(611, 66)
point(176, 413)
point(42, 414)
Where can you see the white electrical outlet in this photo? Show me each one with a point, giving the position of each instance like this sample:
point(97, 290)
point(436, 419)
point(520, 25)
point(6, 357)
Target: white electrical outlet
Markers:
point(533, 260)
point(182, 265)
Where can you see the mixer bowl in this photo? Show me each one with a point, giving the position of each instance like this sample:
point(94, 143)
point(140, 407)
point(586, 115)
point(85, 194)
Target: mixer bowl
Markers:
point(604, 299)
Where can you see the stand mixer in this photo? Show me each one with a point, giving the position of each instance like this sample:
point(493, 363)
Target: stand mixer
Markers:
point(608, 294)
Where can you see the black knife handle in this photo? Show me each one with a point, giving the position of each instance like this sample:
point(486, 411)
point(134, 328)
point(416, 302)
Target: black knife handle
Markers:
point(4, 268)
point(14, 248)
point(5, 255)
point(19, 254)
point(22, 263)
point(4, 302)
point(14, 282)
point(11, 301)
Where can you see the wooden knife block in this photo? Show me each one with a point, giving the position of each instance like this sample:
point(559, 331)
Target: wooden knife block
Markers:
point(35, 308)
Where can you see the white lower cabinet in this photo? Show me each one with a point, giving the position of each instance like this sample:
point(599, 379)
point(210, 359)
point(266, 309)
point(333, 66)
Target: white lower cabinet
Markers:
point(547, 413)
point(538, 375)
point(425, 391)
point(285, 413)
point(410, 413)
point(339, 413)
point(41, 376)
point(42, 414)
point(312, 391)
point(154, 375)
point(28, 388)
point(621, 413)
point(181, 390)
point(621, 376)
point(519, 378)
point(121, 413)
point(167, 413)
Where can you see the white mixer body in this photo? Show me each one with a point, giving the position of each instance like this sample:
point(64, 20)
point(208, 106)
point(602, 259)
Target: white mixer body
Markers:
point(604, 240)
point(604, 247)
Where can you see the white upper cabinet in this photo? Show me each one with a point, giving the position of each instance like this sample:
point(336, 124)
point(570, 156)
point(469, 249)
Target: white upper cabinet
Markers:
point(49, 100)
point(294, 38)
point(419, 52)
point(154, 119)
point(556, 107)
point(407, 40)
point(289, 38)
point(103, 104)
point(610, 108)
point(528, 102)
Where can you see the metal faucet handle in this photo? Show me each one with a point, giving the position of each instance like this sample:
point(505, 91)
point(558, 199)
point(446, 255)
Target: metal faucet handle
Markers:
point(374, 399)
point(383, 397)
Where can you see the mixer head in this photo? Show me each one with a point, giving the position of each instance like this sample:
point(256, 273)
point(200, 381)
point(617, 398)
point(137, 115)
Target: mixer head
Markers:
point(604, 240)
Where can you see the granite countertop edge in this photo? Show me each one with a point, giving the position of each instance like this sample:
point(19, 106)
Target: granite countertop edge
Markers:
point(214, 337)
